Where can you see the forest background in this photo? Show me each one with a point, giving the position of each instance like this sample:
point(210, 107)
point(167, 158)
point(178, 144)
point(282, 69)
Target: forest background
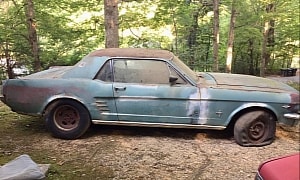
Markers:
point(256, 37)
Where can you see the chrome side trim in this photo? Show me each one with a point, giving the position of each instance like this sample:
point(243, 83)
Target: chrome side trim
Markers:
point(164, 125)
point(144, 98)
point(292, 116)
point(140, 115)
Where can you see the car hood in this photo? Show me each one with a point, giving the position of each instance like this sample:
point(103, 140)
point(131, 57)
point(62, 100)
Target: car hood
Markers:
point(245, 82)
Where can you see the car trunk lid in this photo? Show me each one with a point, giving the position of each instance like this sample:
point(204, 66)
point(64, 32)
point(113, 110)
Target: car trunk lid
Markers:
point(52, 73)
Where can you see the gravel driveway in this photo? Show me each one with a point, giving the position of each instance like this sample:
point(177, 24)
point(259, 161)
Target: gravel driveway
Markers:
point(286, 79)
point(174, 154)
point(169, 154)
point(196, 157)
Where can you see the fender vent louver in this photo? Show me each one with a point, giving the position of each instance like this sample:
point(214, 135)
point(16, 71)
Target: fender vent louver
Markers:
point(102, 105)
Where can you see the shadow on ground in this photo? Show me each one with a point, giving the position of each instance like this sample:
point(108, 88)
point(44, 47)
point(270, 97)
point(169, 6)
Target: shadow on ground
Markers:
point(129, 131)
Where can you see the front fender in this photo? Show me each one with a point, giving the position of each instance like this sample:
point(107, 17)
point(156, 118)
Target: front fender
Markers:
point(248, 106)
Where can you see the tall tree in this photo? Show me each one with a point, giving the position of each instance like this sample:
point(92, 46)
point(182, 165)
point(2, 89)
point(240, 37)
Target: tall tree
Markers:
point(268, 40)
point(9, 63)
point(32, 34)
point(216, 36)
point(192, 31)
point(230, 38)
point(71, 28)
point(111, 23)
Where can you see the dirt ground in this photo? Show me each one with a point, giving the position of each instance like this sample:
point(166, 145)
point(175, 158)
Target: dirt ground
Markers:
point(168, 154)
point(115, 152)
point(295, 79)
point(157, 153)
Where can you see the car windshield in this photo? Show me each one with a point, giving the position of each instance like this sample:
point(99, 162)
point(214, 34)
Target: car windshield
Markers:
point(187, 71)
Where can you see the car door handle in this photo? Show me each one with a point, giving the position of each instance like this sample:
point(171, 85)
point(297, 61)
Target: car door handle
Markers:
point(120, 88)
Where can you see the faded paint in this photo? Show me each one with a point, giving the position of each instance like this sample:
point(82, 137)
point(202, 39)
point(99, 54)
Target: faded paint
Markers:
point(198, 108)
point(210, 102)
point(204, 107)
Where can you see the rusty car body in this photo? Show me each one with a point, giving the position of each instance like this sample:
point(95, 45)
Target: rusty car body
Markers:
point(147, 87)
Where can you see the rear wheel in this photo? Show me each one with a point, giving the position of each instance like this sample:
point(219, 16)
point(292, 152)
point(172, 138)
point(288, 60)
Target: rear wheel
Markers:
point(68, 119)
point(255, 128)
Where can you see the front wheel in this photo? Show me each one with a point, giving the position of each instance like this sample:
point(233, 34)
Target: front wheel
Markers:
point(255, 128)
point(68, 119)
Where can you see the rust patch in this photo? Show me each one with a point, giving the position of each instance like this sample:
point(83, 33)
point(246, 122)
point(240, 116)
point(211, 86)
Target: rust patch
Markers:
point(25, 94)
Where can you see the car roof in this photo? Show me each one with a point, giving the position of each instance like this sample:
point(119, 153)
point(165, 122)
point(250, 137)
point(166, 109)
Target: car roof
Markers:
point(133, 52)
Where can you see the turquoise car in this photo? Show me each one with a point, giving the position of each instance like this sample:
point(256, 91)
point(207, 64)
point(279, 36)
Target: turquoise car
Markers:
point(147, 87)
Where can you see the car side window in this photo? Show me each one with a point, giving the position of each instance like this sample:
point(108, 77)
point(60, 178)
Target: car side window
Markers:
point(141, 71)
point(105, 74)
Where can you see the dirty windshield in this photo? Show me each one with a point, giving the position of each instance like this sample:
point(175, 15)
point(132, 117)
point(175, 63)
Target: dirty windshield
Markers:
point(187, 71)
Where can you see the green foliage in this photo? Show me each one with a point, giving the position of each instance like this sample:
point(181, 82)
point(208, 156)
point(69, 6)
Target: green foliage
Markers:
point(294, 85)
point(63, 40)
point(68, 30)
point(248, 34)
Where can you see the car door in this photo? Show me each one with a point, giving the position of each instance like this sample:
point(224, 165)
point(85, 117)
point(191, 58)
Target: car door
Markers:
point(143, 92)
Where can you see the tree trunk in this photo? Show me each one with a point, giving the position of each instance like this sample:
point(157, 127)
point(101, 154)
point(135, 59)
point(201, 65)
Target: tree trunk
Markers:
point(192, 37)
point(230, 39)
point(175, 31)
point(251, 56)
point(32, 34)
point(111, 23)
point(264, 50)
point(271, 31)
point(207, 67)
point(268, 40)
point(9, 66)
point(216, 36)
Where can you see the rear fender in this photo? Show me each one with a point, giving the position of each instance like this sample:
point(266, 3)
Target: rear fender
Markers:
point(50, 103)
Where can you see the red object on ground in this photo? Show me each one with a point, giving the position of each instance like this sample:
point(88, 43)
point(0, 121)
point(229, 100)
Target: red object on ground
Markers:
point(282, 168)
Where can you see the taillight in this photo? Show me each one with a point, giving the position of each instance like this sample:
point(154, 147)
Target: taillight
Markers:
point(295, 102)
point(295, 98)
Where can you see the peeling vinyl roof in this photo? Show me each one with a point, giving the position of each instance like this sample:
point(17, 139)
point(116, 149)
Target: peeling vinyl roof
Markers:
point(133, 52)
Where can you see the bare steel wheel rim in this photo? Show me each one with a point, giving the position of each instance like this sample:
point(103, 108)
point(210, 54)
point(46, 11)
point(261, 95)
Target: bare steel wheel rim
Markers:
point(66, 118)
point(257, 130)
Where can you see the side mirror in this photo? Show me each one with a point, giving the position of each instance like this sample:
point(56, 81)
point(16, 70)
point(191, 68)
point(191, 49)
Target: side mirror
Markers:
point(172, 80)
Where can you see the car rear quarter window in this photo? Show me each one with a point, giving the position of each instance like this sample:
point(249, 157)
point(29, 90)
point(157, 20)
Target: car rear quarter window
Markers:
point(105, 73)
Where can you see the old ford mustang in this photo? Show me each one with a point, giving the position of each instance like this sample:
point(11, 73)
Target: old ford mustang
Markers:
point(146, 87)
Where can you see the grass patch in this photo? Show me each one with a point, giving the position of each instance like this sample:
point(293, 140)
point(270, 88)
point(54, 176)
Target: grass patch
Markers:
point(22, 134)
